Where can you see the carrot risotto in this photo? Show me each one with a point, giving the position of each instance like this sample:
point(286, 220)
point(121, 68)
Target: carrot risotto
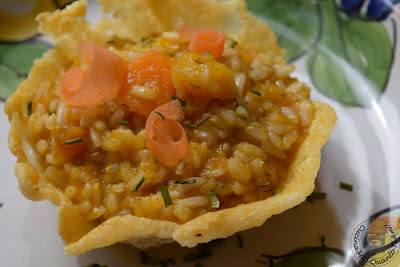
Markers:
point(168, 121)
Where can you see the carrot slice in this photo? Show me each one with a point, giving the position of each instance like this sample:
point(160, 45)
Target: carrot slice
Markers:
point(102, 84)
point(71, 82)
point(167, 138)
point(152, 71)
point(202, 40)
point(212, 41)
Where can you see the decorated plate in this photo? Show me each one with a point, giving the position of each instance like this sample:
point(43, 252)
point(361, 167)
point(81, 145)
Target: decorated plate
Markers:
point(347, 51)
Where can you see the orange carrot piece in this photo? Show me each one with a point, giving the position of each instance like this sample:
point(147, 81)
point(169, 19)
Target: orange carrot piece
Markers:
point(212, 41)
point(167, 138)
point(71, 82)
point(102, 84)
point(153, 71)
point(202, 40)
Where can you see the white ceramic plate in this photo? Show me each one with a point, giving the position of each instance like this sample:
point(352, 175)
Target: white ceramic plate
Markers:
point(348, 54)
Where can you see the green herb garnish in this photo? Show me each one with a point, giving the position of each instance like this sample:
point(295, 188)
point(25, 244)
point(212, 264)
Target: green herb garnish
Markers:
point(165, 194)
point(183, 103)
point(264, 184)
point(146, 259)
point(172, 55)
point(125, 123)
point(221, 184)
point(73, 141)
point(204, 253)
point(51, 112)
point(159, 114)
point(148, 40)
point(29, 108)
point(272, 191)
point(316, 196)
point(255, 92)
point(196, 86)
point(214, 199)
point(111, 42)
point(191, 181)
point(200, 125)
point(240, 241)
point(346, 186)
point(139, 184)
point(323, 243)
point(233, 42)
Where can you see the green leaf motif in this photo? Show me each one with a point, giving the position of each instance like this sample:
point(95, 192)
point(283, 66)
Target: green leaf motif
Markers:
point(353, 59)
point(312, 259)
point(16, 60)
point(295, 22)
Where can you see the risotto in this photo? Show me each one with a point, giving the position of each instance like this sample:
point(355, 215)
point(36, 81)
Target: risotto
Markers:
point(183, 123)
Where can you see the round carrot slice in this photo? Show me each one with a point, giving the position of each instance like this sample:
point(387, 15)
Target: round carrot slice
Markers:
point(209, 40)
point(166, 137)
point(102, 84)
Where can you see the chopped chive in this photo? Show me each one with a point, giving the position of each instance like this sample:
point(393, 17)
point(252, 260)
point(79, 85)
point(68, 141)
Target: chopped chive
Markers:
point(200, 125)
point(255, 92)
point(204, 252)
point(1, 204)
point(316, 196)
point(196, 86)
point(159, 114)
point(51, 112)
point(125, 123)
point(191, 181)
point(73, 141)
point(323, 243)
point(111, 42)
point(233, 42)
point(166, 196)
point(261, 262)
point(29, 108)
point(146, 259)
point(240, 241)
point(221, 184)
point(214, 199)
point(346, 186)
point(264, 184)
point(271, 190)
point(183, 103)
point(139, 184)
point(148, 40)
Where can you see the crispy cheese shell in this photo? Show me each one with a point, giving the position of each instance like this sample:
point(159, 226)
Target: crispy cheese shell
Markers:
point(132, 20)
